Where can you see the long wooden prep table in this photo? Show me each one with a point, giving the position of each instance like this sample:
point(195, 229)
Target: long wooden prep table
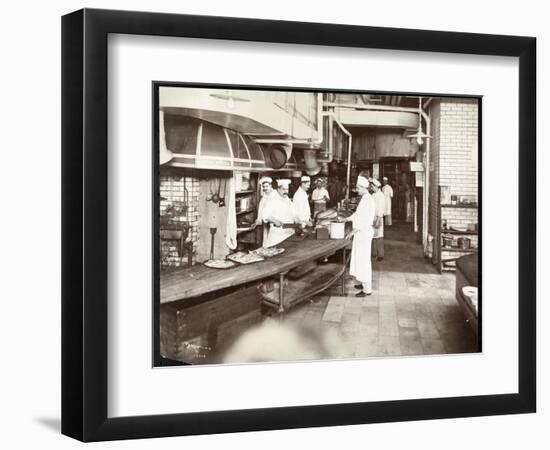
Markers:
point(198, 280)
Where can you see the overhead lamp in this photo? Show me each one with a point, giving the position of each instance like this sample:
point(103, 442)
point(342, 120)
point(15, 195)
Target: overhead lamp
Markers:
point(419, 136)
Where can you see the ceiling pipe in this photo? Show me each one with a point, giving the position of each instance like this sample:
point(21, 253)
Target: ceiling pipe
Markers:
point(427, 120)
point(312, 142)
point(373, 107)
point(428, 101)
point(345, 131)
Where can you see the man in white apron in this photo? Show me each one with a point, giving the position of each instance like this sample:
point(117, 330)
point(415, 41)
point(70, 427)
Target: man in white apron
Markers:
point(279, 211)
point(302, 210)
point(268, 193)
point(387, 190)
point(378, 224)
point(360, 265)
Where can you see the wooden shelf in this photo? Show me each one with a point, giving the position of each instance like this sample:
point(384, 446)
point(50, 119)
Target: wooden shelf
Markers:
point(459, 206)
point(245, 192)
point(245, 211)
point(454, 249)
point(473, 233)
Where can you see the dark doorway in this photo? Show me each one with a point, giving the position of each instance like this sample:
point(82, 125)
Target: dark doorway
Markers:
point(403, 182)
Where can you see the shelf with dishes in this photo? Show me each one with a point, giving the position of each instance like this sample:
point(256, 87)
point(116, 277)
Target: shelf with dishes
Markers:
point(245, 211)
point(458, 249)
point(246, 204)
point(459, 232)
point(460, 205)
point(457, 227)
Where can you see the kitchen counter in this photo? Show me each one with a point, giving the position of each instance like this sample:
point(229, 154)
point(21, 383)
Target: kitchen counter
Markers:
point(198, 280)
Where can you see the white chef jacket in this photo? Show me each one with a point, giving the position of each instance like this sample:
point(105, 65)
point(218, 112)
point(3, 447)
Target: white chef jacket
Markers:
point(279, 208)
point(379, 209)
point(360, 264)
point(387, 190)
point(266, 198)
point(302, 210)
point(319, 194)
point(263, 202)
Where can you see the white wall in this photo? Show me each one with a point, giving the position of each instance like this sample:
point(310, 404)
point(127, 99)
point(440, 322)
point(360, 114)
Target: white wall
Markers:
point(30, 236)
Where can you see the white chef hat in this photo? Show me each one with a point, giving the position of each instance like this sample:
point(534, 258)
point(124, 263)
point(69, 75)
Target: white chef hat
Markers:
point(305, 179)
point(283, 182)
point(362, 181)
point(385, 178)
point(266, 180)
point(375, 182)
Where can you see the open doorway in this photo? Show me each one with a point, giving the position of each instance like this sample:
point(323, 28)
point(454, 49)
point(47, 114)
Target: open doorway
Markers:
point(402, 181)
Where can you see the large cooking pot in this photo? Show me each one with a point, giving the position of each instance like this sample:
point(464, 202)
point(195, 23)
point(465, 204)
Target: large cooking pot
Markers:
point(337, 230)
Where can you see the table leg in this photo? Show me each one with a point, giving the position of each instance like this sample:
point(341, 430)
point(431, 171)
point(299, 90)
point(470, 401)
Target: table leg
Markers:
point(344, 273)
point(282, 291)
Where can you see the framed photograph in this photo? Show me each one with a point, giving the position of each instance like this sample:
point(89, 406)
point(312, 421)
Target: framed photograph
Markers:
point(267, 224)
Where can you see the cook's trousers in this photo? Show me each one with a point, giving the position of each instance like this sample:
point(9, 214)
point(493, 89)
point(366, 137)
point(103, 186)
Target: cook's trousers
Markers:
point(377, 249)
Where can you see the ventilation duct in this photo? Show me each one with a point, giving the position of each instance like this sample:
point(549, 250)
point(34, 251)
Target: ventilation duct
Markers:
point(199, 144)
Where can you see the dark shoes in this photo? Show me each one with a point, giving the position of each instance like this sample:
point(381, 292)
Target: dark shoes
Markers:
point(363, 294)
point(380, 258)
point(358, 286)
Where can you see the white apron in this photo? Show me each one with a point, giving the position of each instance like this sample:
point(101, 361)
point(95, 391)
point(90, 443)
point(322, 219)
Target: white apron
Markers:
point(379, 209)
point(266, 198)
point(302, 210)
point(387, 190)
point(360, 265)
point(281, 209)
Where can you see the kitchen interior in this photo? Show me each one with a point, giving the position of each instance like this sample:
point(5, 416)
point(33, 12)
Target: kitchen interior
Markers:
point(224, 297)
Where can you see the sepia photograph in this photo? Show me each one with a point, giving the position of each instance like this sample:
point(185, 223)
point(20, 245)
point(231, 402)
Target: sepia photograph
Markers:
point(305, 225)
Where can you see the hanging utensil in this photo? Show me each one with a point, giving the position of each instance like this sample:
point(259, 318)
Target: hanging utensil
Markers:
point(212, 233)
point(211, 193)
point(216, 197)
point(221, 204)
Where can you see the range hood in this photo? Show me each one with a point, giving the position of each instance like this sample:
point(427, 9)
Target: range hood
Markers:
point(199, 144)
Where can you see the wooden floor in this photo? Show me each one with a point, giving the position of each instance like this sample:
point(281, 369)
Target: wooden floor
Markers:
point(412, 311)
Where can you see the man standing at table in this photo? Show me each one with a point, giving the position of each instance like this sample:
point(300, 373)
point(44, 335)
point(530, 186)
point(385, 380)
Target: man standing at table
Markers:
point(279, 212)
point(360, 264)
point(387, 190)
point(268, 193)
point(302, 210)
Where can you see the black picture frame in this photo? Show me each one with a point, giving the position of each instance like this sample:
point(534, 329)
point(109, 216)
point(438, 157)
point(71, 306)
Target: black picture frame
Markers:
point(84, 224)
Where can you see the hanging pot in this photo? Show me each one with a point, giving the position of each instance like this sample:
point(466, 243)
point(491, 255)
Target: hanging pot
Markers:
point(277, 155)
point(216, 196)
point(310, 161)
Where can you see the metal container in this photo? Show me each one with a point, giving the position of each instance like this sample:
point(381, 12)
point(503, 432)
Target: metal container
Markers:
point(319, 206)
point(322, 233)
point(464, 243)
point(337, 230)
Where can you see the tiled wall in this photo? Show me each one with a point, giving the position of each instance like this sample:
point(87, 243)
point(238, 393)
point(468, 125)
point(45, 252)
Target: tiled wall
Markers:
point(453, 152)
point(173, 186)
point(458, 146)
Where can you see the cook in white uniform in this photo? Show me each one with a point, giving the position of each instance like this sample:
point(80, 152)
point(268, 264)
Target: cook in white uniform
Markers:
point(387, 190)
point(302, 210)
point(360, 265)
point(379, 209)
point(277, 212)
point(268, 193)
